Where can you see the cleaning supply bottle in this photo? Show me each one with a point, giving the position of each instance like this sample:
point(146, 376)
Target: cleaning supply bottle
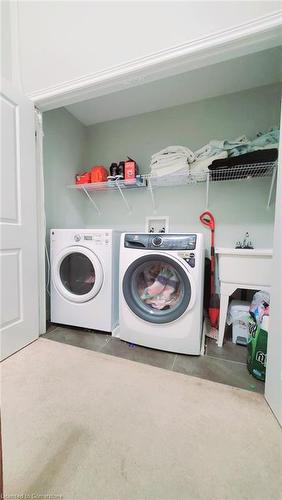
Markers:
point(121, 169)
point(114, 169)
point(257, 347)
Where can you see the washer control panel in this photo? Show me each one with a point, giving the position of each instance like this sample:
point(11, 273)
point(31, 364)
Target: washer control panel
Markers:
point(161, 242)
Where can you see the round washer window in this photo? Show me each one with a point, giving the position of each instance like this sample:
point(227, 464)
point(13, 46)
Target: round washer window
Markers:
point(77, 273)
point(157, 288)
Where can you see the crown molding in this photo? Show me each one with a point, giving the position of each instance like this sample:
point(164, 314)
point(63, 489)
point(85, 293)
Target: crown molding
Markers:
point(252, 36)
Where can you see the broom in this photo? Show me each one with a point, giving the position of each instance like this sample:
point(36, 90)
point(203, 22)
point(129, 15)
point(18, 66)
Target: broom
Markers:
point(207, 219)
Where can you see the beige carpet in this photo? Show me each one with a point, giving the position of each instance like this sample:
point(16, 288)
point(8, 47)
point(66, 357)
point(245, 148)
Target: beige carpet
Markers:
point(85, 425)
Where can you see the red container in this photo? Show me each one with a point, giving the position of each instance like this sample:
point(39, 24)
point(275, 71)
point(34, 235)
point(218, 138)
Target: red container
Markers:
point(130, 170)
point(99, 174)
point(83, 178)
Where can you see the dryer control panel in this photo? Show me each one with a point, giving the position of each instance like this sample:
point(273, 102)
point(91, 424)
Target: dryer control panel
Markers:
point(161, 241)
point(95, 238)
point(78, 237)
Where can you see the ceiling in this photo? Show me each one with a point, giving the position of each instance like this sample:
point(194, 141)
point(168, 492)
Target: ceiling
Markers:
point(242, 73)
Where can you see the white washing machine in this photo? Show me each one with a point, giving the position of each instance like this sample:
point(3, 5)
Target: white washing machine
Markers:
point(161, 291)
point(84, 277)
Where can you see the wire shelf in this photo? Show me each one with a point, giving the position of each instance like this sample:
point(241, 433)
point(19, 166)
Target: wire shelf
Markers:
point(107, 186)
point(177, 179)
point(242, 172)
point(151, 182)
point(238, 172)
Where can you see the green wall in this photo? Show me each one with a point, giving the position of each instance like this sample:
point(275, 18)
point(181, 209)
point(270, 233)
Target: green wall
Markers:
point(237, 206)
point(191, 125)
point(63, 149)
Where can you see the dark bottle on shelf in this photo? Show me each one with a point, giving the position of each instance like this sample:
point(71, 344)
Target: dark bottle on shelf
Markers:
point(114, 169)
point(121, 169)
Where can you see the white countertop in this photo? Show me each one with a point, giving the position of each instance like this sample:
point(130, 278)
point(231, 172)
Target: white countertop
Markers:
point(255, 252)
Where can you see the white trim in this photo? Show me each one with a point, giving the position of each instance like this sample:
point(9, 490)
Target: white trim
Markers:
point(41, 220)
point(14, 44)
point(251, 36)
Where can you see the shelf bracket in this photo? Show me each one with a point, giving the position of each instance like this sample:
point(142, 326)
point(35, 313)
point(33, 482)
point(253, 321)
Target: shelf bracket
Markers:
point(152, 195)
point(274, 172)
point(91, 199)
point(207, 190)
point(123, 197)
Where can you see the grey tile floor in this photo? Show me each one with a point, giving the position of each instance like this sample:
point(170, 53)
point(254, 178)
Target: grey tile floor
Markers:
point(226, 365)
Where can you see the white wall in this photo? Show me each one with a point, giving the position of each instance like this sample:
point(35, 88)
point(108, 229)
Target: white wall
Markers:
point(238, 207)
point(62, 41)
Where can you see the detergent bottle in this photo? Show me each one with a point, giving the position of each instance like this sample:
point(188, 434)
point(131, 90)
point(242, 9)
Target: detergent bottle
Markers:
point(257, 347)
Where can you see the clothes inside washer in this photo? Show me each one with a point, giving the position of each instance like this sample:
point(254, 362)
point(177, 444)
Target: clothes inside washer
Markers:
point(158, 286)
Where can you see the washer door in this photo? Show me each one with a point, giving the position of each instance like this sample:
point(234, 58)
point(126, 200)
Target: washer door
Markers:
point(157, 288)
point(77, 274)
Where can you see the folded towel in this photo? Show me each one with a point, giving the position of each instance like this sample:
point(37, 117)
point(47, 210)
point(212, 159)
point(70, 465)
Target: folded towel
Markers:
point(171, 169)
point(240, 145)
point(181, 151)
point(201, 167)
point(168, 161)
point(261, 141)
point(215, 147)
point(171, 160)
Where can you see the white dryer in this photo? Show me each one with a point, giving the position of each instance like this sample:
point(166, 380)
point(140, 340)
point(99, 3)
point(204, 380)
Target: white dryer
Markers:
point(84, 277)
point(161, 291)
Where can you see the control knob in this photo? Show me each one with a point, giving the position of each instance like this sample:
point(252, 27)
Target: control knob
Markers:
point(77, 237)
point(157, 241)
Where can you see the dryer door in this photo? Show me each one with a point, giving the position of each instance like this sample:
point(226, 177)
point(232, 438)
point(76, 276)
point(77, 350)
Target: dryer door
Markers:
point(158, 289)
point(77, 274)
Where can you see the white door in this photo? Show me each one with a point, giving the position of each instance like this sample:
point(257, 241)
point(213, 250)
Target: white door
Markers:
point(18, 219)
point(273, 383)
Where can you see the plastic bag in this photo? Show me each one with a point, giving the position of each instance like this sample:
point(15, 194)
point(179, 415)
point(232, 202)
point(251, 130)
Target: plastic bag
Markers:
point(236, 315)
point(260, 305)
